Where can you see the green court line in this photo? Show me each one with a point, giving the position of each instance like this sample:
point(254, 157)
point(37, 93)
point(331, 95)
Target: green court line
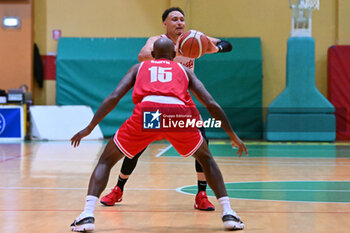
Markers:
point(277, 150)
point(227, 142)
point(300, 191)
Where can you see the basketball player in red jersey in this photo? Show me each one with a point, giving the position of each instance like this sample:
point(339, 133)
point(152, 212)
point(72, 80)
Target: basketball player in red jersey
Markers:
point(174, 23)
point(158, 84)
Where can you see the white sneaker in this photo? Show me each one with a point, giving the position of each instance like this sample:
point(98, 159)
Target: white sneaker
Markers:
point(83, 224)
point(232, 222)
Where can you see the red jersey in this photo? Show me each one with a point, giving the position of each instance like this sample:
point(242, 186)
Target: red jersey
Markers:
point(160, 77)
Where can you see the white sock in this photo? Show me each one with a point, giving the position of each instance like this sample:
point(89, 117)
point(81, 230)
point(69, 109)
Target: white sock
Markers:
point(90, 205)
point(226, 206)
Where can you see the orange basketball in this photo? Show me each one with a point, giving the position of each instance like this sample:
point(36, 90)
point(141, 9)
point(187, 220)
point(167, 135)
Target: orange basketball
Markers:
point(193, 44)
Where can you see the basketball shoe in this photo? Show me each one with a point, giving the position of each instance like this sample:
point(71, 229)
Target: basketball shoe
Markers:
point(83, 224)
point(232, 222)
point(202, 202)
point(116, 195)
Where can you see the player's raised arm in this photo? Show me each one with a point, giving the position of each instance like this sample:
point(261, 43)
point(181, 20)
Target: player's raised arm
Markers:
point(197, 88)
point(145, 53)
point(108, 104)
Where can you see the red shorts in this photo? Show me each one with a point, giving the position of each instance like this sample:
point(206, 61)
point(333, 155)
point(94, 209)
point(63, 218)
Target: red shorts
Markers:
point(131, 137)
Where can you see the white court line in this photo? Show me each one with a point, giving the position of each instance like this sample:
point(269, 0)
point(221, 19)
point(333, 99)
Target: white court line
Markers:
point(249, 163)
point(164, 189)
point(280, 190)
point(163, 151)
point(258, 164)
point(239, 163)
point(57, 188)
point(267, 160)
point(231, 160)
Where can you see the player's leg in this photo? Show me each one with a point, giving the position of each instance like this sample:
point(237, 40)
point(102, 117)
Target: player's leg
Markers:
point(129, 140)
point(189, 143)
point(215, 180)
point(201, 200)
point(116, 194)
point(98, 181)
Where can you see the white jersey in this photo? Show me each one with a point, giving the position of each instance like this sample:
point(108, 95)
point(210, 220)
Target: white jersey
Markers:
point(186, 61)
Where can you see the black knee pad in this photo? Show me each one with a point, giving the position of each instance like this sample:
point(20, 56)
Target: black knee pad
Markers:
point(198, 167)
point(204, 135)
point(129, 165)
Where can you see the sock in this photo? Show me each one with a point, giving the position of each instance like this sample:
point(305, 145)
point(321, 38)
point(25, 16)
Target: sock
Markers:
point(121, 183)
point(226, 206)
point(90, 205)
point(202, 185)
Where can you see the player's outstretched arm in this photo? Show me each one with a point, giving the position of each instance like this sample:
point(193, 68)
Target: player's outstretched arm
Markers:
point(108, 104)
point(200, 92)
point(218, 46)
point(212, 48)
point(145, 53)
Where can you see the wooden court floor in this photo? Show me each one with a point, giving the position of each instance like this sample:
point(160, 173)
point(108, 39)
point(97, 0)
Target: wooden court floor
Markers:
point(280, 187)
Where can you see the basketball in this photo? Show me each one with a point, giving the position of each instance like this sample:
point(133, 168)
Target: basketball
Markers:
point(193, 44)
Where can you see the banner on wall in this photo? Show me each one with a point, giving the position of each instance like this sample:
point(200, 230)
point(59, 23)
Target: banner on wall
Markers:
point(88, 68)
point(11, 122)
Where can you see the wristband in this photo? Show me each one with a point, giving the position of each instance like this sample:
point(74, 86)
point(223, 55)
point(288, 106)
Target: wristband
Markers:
point(224, 46)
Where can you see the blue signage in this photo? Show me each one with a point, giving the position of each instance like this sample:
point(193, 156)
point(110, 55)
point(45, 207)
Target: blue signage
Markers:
point(11, 122)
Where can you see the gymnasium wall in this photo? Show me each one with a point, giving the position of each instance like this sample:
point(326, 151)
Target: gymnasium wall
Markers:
point(16, 45)
point(267, 19)
point(343, 19)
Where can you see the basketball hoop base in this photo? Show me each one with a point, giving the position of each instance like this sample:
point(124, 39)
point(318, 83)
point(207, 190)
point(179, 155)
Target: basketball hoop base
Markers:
point(300, 112)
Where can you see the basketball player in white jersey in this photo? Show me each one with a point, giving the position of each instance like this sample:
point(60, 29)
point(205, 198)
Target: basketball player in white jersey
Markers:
point(174, 23)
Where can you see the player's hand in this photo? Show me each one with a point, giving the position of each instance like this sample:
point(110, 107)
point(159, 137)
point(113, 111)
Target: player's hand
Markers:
point(75, 140)
point(211, 47)
point(241, 147)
